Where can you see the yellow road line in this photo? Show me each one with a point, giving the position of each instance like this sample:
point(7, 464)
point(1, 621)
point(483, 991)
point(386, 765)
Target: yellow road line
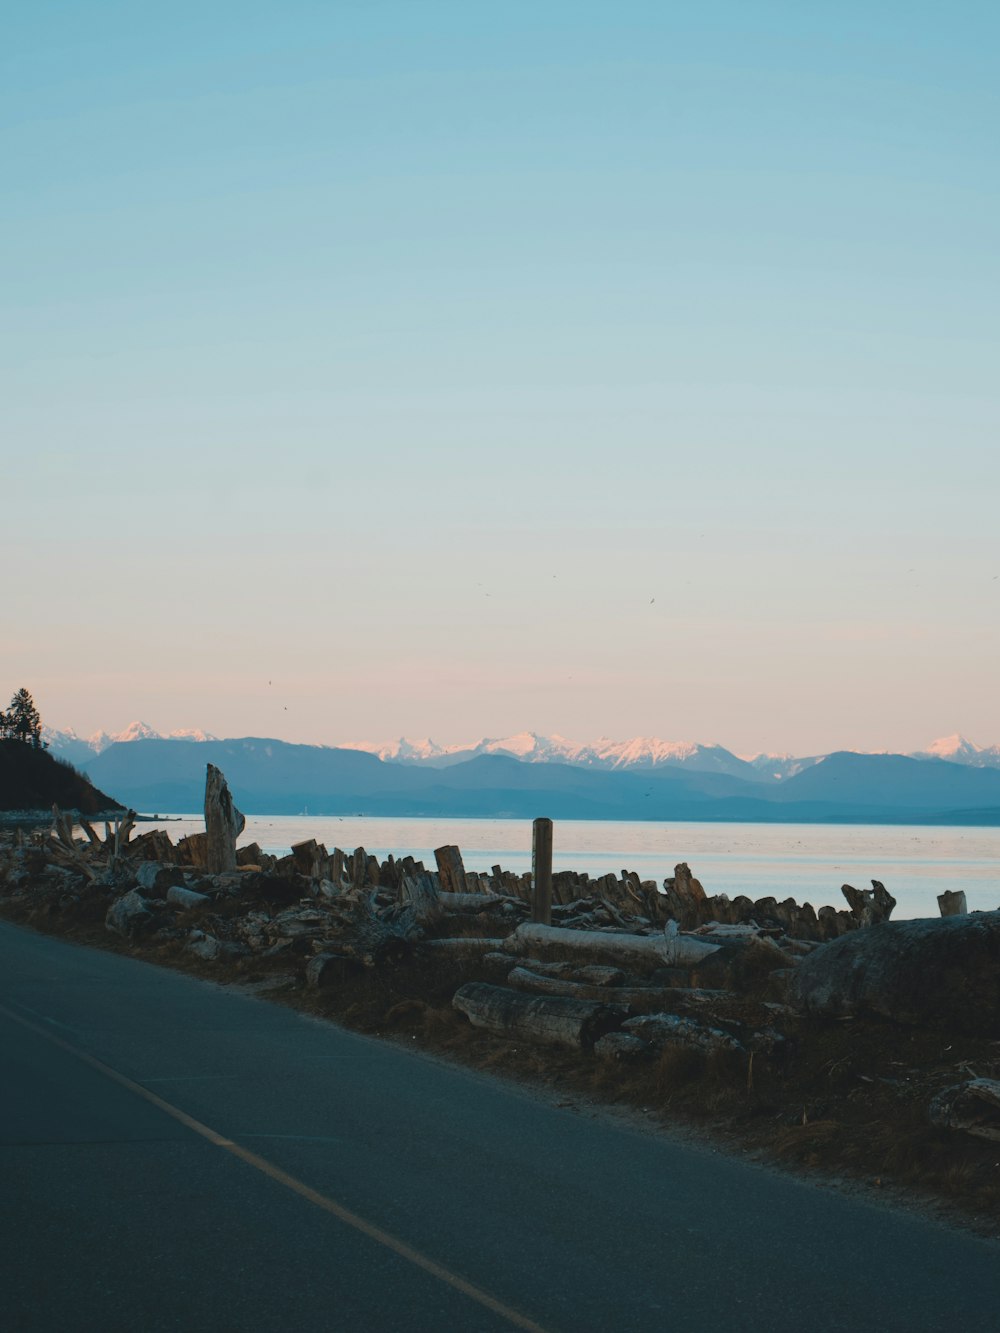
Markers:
point(275, 1173)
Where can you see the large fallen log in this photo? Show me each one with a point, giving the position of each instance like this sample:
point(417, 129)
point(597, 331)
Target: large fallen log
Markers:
point(637, 999)
point(941, 972)
point(635, 953)
point(460, 948)
point(590, 974)
point(430, 904)
point(973, 1107)
point(129, 915)
point(663, 1030)
point(552, 1020)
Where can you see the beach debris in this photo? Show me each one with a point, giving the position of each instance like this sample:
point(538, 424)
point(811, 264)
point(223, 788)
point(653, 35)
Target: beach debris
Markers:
point(623, 1048)
point(128, 914)
point(973, 1107)
point(952, 902)
point(943, 972)
point(154, 878)
point(186, 899)
point(551, 1020)
point(451, 869)
point(223, 823)
point(661, 1030)
point(871, 906)
point(635, 952)
point(685, 898)
point(636, 999)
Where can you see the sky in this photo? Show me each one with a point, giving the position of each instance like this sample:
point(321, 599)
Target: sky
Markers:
point(397, 368)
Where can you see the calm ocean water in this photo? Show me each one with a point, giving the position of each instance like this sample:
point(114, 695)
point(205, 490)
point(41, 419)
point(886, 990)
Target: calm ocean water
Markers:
point(808, 862)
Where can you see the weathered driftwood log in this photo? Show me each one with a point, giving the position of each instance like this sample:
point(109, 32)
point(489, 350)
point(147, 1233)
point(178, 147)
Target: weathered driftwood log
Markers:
point(459, 949)
point(475, 904)
point(870, 907)
point(622, 1047)
point(372, 939)
point(359, 868)
point(591, 974)
point(798, 921)
point(92, 835)
point(637, 953)
point(662, 1030)
point(552, 1020)
point(212, 949)
point(116, 835)
point(64, 850)
point(684, 895)
point(192, 850)
point(451, 869)
point(953, 902)
point(223, 823)
point(311, 859)
point(945, 973)
point(738, 965)
point(428, 905)
point(128, 915)
point(327, 969)
point(973, 1107)
point(154, 878)
point(96, 856)
point(153, 845)
point(251, 857)
point(423, 901)
point(186, 898)
point(637, 999)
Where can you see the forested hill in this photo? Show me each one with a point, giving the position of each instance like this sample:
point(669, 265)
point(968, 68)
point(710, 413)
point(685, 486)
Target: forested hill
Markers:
point(31, 779)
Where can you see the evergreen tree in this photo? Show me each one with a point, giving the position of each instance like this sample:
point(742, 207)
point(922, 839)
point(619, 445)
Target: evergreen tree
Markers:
point(23, 722)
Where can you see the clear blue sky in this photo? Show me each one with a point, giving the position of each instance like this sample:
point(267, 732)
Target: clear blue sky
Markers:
point(591, 368)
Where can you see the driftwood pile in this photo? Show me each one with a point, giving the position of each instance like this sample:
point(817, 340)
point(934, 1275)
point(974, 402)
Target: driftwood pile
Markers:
point(625, 970)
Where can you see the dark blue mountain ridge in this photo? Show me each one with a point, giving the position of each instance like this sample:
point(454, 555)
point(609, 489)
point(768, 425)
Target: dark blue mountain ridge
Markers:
point(891, 780)
point(275, 777)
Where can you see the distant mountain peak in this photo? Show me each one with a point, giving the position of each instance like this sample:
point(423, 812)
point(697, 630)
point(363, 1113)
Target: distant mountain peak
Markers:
point(79, 748)
point(138, 731)
point(947, 747)
point(957, 750)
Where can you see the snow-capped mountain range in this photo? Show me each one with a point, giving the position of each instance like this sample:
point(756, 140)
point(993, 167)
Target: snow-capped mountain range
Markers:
point(649, 752)
point(78, 749)
point(529, 747)
point(641, 752)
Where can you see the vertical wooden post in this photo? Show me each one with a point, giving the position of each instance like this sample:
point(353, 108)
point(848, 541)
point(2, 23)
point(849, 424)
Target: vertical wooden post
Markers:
point(451, 869)
point(541, 871)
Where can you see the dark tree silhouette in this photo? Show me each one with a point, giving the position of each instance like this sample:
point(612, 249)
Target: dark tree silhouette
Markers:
point(22, 721)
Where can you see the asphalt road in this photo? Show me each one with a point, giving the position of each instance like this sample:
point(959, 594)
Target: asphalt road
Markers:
point(287, 1174)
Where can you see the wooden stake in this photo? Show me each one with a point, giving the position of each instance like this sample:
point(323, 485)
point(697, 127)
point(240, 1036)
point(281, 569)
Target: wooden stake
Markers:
point(541, 872)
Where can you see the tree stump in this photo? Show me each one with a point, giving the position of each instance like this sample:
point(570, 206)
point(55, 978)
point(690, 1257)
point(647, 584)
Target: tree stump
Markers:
point(953, 902)
point(223, 823)
point(451, 869)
